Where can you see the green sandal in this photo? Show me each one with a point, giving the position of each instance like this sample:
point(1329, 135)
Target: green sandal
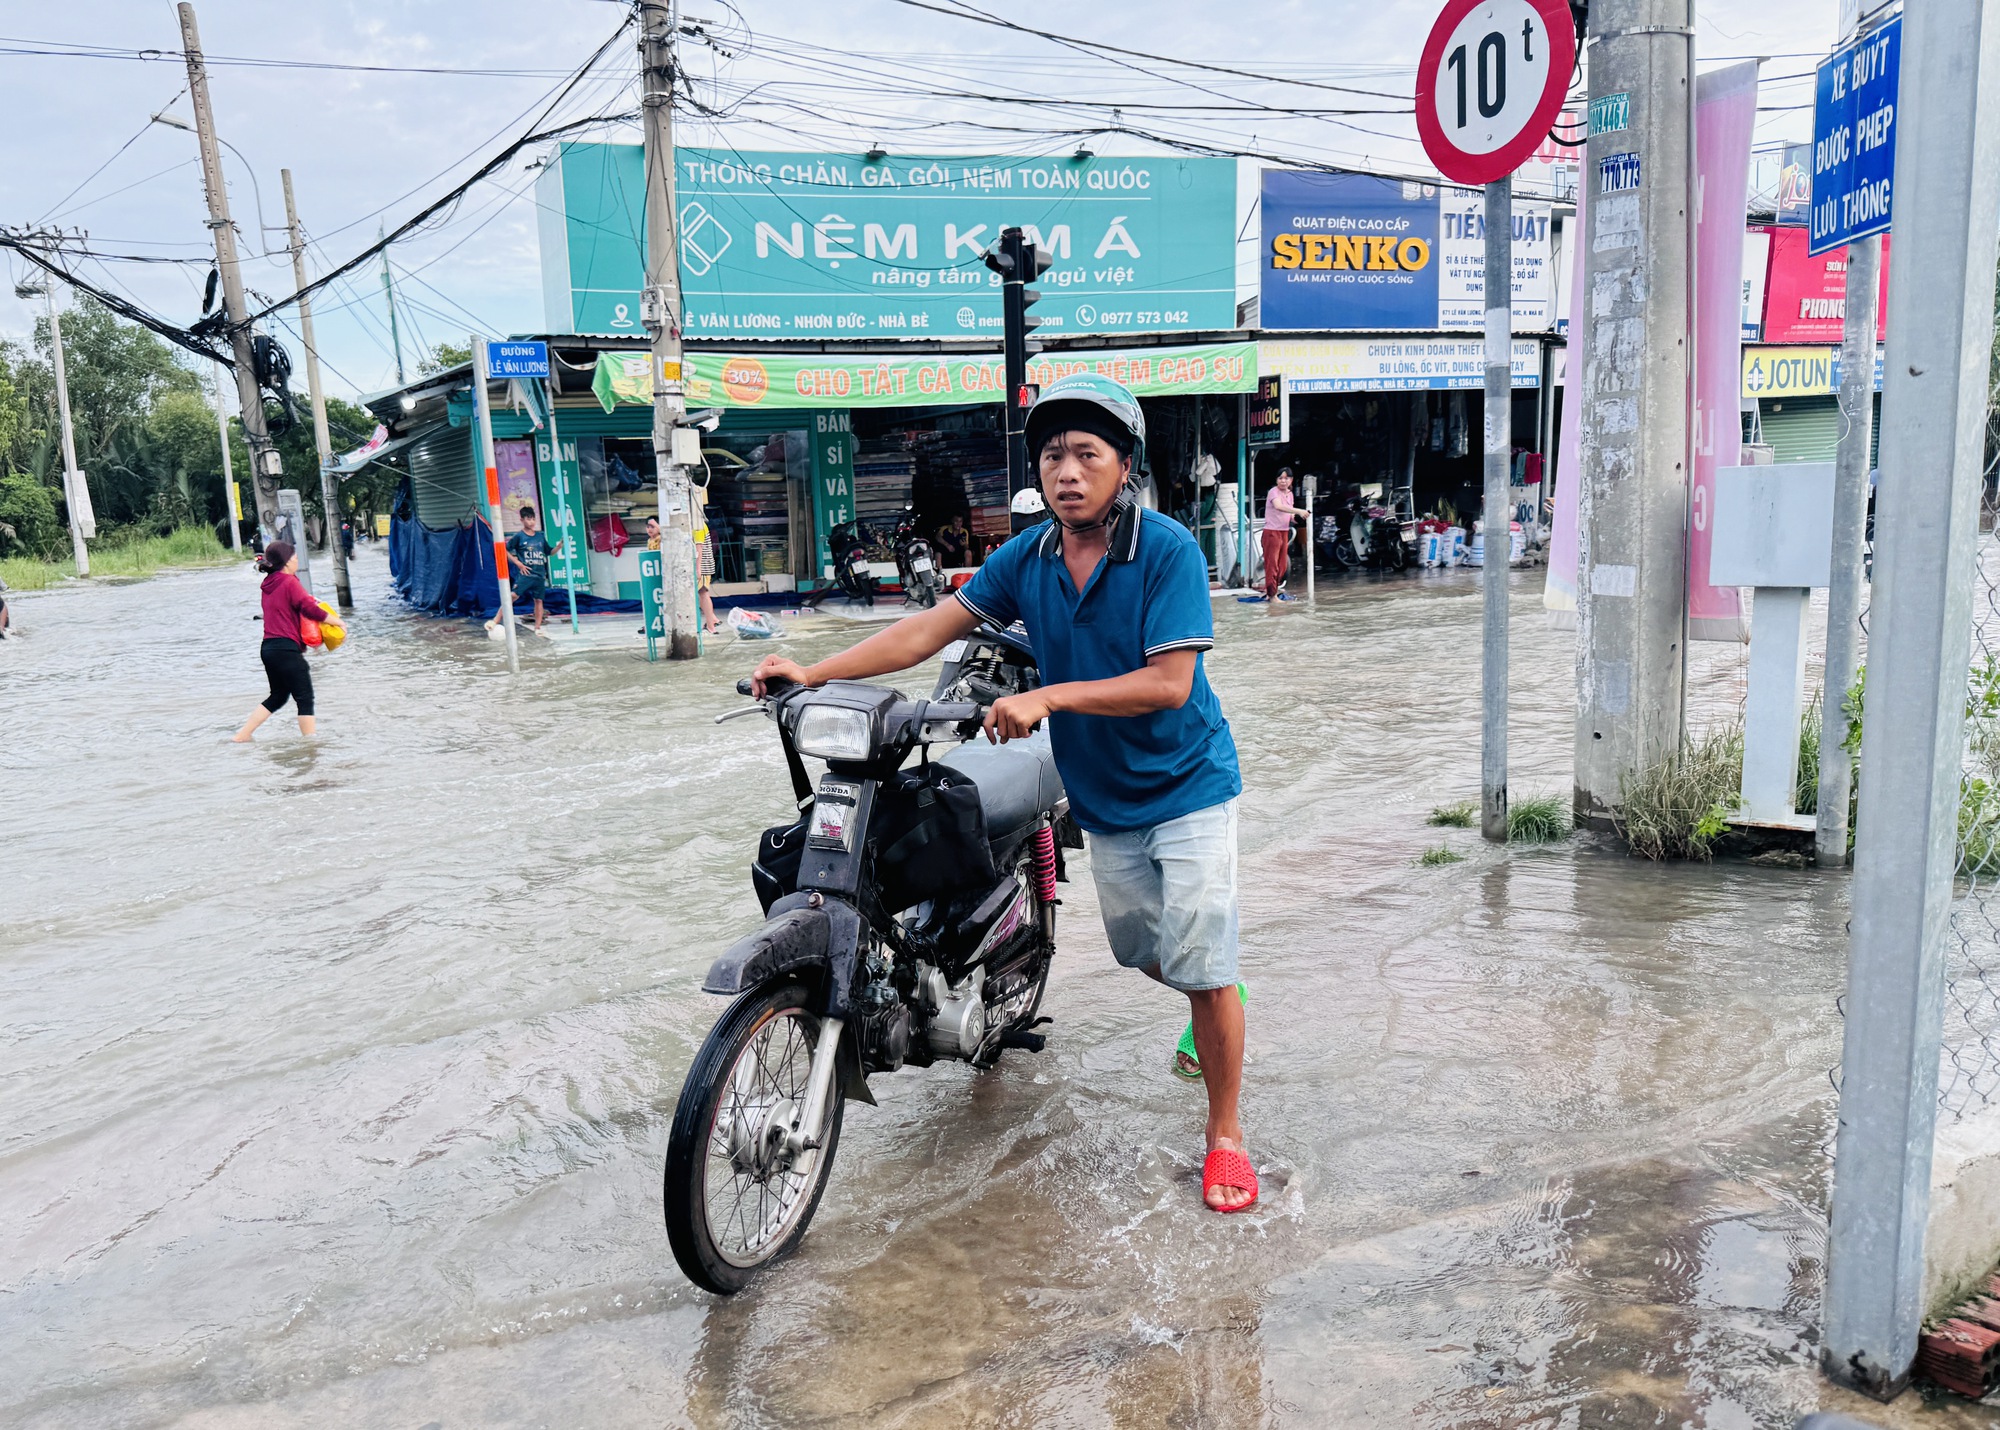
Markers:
point(1186, 1064)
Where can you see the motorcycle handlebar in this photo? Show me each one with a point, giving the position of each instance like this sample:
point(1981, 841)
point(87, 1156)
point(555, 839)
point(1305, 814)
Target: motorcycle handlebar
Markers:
point(774, 685)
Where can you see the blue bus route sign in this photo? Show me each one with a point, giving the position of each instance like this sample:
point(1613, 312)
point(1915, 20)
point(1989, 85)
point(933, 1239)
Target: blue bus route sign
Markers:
point(1854, 139)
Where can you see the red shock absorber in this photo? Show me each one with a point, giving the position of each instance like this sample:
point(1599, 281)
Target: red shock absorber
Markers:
point(1045, 864)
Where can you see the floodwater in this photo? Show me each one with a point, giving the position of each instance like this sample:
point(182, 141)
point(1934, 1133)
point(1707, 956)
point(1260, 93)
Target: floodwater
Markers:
point(337, 1074)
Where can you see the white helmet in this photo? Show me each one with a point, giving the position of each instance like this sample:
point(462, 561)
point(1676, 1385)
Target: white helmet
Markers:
point(1028, 502)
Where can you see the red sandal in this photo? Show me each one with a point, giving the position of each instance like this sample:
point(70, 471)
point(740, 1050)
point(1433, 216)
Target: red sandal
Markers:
point(1226, 1167)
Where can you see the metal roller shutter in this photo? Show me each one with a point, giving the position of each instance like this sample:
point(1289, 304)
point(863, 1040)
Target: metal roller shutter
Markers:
point(443, 485)
point(1807, 429)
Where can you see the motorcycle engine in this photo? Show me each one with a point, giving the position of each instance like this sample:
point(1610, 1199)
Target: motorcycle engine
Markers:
point(957, 1025)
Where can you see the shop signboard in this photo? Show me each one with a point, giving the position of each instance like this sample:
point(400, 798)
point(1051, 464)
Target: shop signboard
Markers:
point(563, 513)
point(1796, 371)
point(652, 596)
point(1854, 138)
point(1756, 267)
point(822, 245)
point(1391, 364)
point(1795, 186)
point(833, 483)
point(1270, 422)
point(769, 380)
point(1357, 252)
point(1805, 294)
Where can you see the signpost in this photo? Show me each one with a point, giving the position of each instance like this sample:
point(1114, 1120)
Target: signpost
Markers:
point(506, 360)
point(1490, 83)
point(482, 357)
point(1854, 139)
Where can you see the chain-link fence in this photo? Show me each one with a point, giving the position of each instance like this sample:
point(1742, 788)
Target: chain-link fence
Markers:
point(1969, 1075)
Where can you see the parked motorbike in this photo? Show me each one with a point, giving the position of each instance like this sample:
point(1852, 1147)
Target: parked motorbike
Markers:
point(910, 918)
point(923, 583)
point(1365, 533)
point(850, 562)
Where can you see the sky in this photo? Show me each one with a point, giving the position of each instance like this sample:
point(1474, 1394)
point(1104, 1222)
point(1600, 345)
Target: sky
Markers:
point(327, 91)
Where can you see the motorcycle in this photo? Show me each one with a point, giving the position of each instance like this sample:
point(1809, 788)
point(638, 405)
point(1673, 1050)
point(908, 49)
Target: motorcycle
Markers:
point(909, 919)
point(1365, 533)
point(850, 562)
point(922, 581)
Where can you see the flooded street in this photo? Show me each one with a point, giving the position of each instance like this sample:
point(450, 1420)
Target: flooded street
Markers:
point(338, 1073)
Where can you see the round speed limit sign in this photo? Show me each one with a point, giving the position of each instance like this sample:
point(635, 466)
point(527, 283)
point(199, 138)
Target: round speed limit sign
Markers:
point(1491, 82)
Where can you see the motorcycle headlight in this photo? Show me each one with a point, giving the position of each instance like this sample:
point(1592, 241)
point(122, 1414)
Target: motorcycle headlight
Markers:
point(828, 732)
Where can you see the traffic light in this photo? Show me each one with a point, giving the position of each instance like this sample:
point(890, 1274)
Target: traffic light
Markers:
point(1019, 263)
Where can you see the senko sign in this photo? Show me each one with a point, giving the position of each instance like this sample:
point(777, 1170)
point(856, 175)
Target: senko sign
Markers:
point(1359, 253)
point(782, 245)
point(1854, 138)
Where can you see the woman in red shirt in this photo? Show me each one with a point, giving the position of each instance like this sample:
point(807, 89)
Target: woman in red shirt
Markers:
point(285, 605)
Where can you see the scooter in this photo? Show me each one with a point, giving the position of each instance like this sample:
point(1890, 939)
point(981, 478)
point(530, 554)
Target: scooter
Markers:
point(850, 562)
point(922, 582)
point(1366, 534)
point(909, 919)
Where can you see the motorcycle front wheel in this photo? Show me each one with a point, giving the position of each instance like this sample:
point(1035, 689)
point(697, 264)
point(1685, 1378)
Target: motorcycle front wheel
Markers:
point(736, 1199)
point(1343, 553)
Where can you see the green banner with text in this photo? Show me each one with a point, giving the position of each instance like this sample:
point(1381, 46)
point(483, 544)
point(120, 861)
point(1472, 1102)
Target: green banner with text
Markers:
point(920, 380)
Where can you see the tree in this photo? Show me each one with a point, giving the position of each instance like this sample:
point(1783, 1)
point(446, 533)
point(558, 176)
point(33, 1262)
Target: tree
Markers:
point(28, 517)
point(444, 355)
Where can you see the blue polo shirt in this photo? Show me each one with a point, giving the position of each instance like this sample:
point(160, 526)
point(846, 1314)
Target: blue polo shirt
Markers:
point(1149, 594)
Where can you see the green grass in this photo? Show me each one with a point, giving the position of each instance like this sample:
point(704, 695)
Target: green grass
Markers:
point(1430, 858)
point(1462, 815)
point(129, 558)
point(1677, 807)
point(1537, 820)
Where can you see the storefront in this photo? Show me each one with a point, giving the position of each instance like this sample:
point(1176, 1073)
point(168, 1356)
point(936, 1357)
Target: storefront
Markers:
point(1403, 414)
point(1372, 300)
point(804, 441)
point(1791, 400)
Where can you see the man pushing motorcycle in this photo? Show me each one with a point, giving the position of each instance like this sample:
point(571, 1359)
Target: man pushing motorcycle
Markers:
point(1116, 604)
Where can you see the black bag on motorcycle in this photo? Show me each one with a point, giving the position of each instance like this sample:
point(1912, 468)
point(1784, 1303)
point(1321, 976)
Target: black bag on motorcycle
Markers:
point(776, 872)
point(931, 838)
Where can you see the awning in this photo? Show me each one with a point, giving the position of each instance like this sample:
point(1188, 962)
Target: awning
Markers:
point(352, 462)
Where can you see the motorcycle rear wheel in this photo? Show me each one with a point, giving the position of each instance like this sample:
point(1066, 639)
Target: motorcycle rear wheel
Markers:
point(734, 1202)
point(919, 594)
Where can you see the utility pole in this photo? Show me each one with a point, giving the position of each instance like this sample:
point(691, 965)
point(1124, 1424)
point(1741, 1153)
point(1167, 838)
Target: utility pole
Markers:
point(675, 446)
point(76, 493)
point(483, 412)
point(389, 296)
point(1850, 526)
point(265, 464)
point(1634, 376)
point(1934, 394)
point(328, 485)
point(228, 472)
point(1499, 543)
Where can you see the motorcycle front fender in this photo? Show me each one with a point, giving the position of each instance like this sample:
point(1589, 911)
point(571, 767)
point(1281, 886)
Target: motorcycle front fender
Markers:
point(819, 943)
point(821, 946)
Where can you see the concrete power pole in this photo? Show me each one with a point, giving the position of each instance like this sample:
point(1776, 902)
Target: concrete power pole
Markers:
point(1850, 527)
point(329, 490)
point(265, 465)
point(1934, 395)
point(229, 503)
point(660, 309)
point(1637, 363)
point(73, 478)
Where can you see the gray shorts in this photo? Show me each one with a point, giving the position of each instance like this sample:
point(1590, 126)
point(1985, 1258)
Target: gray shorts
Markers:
point(1168, 896)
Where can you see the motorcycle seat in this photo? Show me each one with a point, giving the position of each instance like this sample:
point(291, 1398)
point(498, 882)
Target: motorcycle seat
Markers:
point(1017, 784)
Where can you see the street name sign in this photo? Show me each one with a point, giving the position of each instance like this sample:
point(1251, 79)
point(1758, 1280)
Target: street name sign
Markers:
point(504, 360)
point(1854, 139)
point(1491, 82)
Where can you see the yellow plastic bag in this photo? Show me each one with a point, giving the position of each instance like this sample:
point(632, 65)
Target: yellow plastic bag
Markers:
point(331, 632)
